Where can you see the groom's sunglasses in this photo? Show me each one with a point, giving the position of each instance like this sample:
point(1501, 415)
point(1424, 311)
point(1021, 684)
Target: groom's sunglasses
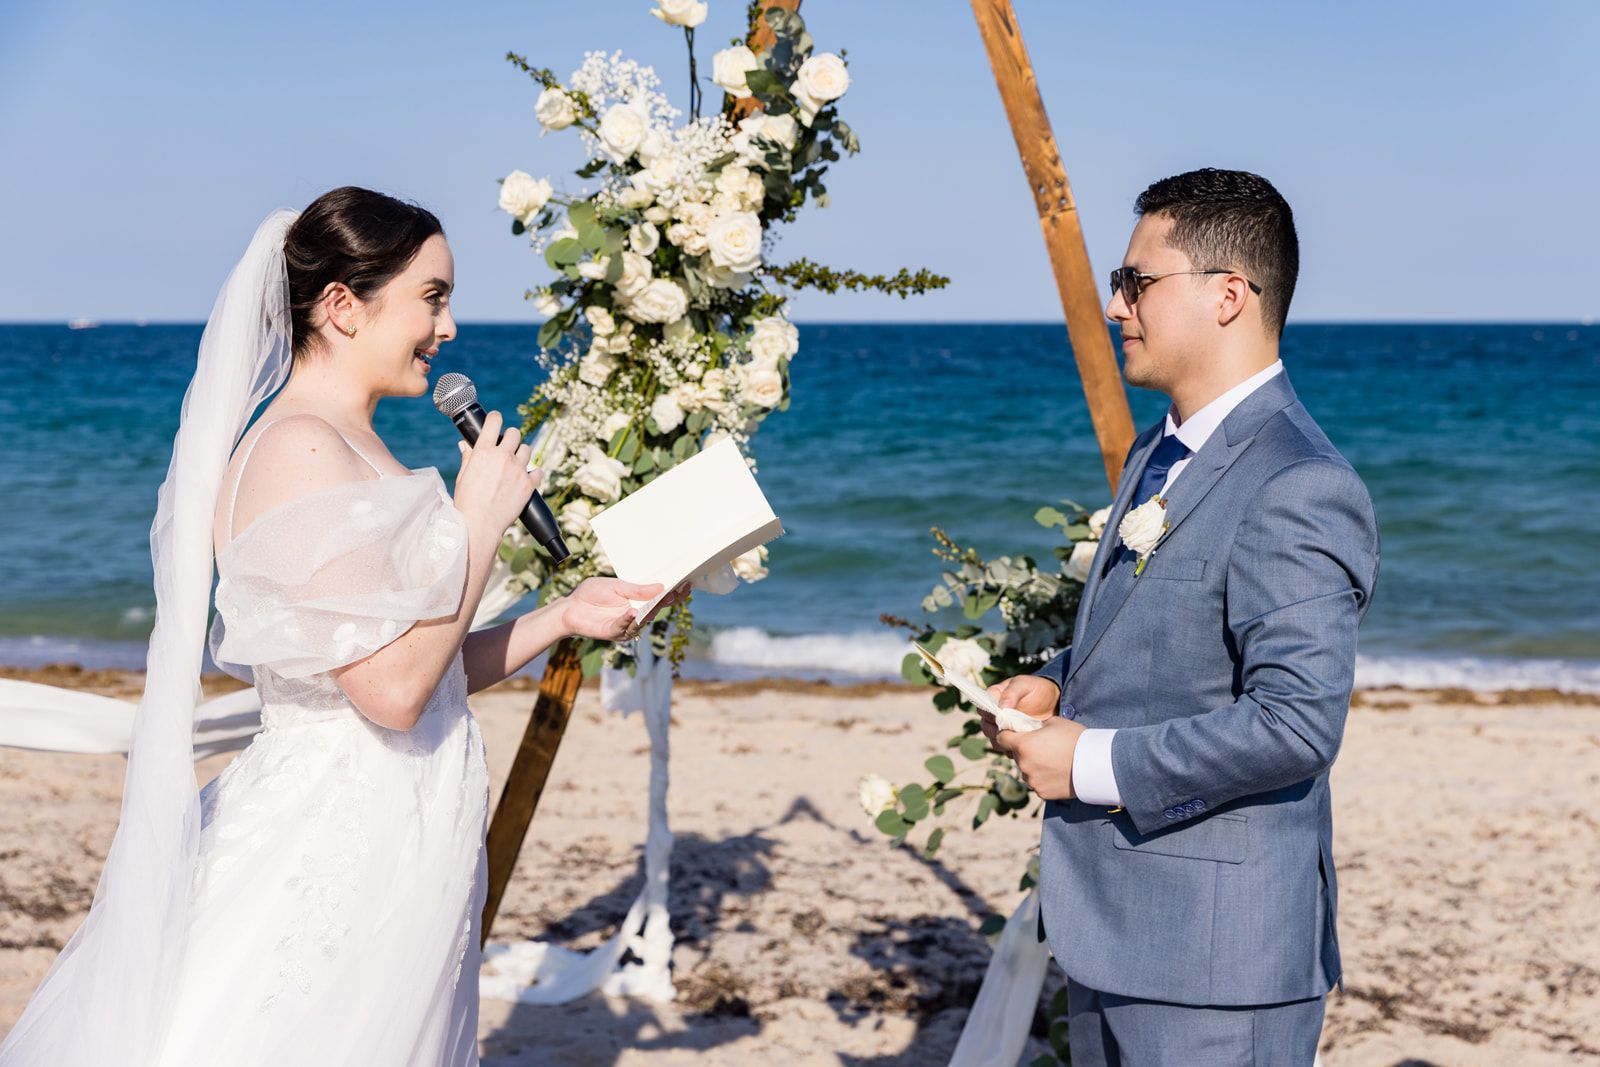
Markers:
point(1130, 283)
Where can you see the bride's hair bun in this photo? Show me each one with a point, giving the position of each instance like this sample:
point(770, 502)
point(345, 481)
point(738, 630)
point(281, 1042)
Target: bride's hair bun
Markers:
point(354, 236)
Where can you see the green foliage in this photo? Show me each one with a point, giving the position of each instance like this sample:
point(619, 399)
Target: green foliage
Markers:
point(804, 274)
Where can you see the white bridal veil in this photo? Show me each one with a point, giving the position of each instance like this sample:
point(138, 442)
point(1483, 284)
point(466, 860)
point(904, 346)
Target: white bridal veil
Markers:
point(107, 999)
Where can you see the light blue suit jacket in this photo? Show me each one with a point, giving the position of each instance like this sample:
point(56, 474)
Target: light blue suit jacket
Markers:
point(1226, 668)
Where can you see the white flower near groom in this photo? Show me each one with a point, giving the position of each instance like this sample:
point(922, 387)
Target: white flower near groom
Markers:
point(964, 657)
point(1079, 562)
point(522, 196)
point(662, 300)
point(875, 794)
point(685, 13)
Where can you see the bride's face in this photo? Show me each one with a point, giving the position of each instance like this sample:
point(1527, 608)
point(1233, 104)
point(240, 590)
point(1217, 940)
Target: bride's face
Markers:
point(402, 329)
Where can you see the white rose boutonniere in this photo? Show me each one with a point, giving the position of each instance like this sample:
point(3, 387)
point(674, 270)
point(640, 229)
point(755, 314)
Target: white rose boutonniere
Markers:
point(1142, 529)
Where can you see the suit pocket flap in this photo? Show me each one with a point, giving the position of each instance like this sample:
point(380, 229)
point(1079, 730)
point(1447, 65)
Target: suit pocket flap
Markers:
point(1221, 838)
point(1175, 568)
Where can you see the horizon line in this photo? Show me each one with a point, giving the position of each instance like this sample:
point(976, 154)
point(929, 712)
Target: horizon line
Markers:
point(1584, 321)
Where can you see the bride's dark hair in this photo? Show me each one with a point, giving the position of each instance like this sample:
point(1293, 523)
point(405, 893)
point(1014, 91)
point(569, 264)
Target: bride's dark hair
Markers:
point(349, 235)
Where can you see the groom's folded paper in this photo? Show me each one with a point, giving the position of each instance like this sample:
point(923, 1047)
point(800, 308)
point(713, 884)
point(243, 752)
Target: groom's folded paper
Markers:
point(978, 697)
point(693, 520)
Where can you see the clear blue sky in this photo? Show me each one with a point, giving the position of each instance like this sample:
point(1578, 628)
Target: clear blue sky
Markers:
point(1442, 158)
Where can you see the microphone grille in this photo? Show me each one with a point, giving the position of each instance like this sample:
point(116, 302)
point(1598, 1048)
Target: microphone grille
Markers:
point(454, 393)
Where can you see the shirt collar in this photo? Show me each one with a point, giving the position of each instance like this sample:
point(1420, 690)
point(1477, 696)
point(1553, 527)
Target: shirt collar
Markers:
point(1198, 428)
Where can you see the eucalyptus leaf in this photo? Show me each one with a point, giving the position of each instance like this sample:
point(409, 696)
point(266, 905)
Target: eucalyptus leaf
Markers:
point(974, 748)
point(941, 767)
point(892, 824)
point(935, 839)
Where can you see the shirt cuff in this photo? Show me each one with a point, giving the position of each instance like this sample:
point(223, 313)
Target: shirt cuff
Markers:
point(1093, 780)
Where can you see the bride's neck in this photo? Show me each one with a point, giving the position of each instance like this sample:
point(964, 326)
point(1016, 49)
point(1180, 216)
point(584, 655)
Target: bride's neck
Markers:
point(318, 386)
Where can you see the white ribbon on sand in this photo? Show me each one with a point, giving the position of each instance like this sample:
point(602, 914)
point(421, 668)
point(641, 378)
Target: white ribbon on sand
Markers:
point(997, 1027)
point(536, 972)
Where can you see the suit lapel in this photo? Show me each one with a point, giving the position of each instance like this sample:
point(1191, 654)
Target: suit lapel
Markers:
point(1103, 599)
point(1108, 539)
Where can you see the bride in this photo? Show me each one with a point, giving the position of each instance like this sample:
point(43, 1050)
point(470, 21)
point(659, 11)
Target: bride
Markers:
point(319, 901)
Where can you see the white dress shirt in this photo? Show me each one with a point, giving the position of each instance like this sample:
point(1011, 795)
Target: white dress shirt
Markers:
point(1093, 780)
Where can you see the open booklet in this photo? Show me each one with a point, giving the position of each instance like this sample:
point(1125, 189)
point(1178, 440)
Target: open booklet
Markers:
point(691, 521)
point(978, 697)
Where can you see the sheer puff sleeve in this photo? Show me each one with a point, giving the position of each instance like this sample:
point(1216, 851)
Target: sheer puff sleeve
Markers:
point(335, 574)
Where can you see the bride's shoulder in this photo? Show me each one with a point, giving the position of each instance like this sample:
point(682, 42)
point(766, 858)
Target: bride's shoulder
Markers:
point(288, 457)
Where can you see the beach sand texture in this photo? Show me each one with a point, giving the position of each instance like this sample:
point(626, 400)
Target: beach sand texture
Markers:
point(1468, 838)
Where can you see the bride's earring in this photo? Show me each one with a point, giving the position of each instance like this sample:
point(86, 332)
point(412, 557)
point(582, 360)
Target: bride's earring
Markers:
point(350, 329)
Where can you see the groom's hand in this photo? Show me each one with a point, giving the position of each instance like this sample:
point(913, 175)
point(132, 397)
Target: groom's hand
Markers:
point(1029, 694)
point(1043, 757)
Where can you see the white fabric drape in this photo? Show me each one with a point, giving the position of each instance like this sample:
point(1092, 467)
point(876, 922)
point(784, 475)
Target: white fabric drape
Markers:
point(997, 1027)
point(535, 972)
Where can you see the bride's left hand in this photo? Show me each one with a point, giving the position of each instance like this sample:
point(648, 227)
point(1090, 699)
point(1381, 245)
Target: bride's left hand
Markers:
point(599, 608)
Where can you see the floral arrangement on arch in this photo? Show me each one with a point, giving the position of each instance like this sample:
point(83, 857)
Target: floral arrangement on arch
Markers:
point(662, 333)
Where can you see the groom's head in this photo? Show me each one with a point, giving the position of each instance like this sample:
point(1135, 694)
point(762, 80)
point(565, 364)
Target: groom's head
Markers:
point(1226, 241)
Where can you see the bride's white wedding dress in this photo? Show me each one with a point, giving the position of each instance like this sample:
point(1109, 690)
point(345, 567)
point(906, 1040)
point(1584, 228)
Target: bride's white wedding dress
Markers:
point(336, 903)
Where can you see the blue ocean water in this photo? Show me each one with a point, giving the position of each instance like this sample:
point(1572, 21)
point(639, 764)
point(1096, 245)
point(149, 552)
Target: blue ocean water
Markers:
point(1480, 444)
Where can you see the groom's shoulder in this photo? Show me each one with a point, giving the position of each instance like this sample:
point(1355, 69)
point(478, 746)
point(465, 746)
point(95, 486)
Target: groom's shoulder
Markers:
point(1293, 438)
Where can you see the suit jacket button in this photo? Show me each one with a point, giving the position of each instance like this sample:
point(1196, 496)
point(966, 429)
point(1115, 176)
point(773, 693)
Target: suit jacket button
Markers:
point(1169, 813)
point(1199, 805)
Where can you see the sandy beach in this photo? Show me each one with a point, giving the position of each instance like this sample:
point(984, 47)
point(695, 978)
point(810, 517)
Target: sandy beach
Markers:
point(1468, 840)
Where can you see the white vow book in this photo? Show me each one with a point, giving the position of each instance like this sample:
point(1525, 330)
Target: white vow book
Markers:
point(978, 697)
point(697, 517)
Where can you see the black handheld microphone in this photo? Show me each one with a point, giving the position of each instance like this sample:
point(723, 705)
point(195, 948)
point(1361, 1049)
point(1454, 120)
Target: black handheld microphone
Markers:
point(455, 395)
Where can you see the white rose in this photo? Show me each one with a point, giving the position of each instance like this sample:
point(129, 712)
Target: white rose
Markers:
point(735, 241)
point(695, 215)
point(663, 301)
point(806, 104)
point(522, 196)
point(601, 321)
point(761, 385)
point(823, 77)
point(595, 367)
point(657, 214)
point(644, 238)
point(774, 338)
point(964, 657)
point(714, 383)
point(755, 191)
point(635, 275)
point(667, 412)
point(554, 110)
point(1097, 522)
point(687, 396)
point(634, 197)
point(749, 567)
point(1142, 527)
point(678, 233)
point(614, 422)
point(600, 476)
point(678, 331)
point(546, 303)
point(575, 516)
point(622, 340)
point(595, 269)
point(622, 131)
point(732, 179)
point(876, 795)
point(1077, 567)
point(653, 147)
point(685, 13)
point(780, 128)
point(729, 66)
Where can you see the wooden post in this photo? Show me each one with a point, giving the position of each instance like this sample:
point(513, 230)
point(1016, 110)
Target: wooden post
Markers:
point(559, 687)
point(761, 38)
point(1063, 233)
point(529, 772)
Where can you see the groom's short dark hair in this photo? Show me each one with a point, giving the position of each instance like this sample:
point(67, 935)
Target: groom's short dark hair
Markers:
point(1233, 220)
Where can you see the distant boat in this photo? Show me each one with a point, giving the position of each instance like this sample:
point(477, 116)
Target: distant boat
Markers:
point(82, 324)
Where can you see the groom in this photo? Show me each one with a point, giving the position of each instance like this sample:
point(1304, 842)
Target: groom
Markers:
point(1187, 881)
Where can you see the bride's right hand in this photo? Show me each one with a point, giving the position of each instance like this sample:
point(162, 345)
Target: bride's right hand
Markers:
point(495, 482)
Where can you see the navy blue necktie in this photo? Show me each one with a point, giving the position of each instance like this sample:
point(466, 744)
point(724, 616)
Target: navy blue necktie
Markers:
point(1168, 452)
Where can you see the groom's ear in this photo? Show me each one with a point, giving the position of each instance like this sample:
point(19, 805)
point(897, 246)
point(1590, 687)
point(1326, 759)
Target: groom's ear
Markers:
point(1235, 297)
